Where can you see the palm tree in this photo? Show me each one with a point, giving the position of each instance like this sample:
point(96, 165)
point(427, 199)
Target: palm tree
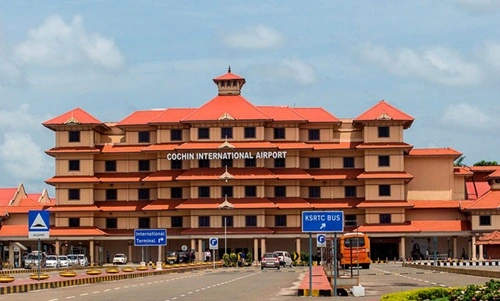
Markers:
point(459, 161)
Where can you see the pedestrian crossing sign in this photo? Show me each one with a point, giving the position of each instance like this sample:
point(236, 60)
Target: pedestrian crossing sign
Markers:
point(38, 224)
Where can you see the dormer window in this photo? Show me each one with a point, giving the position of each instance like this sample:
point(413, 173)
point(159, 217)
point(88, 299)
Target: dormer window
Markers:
point(144, 137)
point(383, 132)
point(314, 135)
point(74, 136)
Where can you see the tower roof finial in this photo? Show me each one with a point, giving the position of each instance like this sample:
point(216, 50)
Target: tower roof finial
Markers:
point(229, 69)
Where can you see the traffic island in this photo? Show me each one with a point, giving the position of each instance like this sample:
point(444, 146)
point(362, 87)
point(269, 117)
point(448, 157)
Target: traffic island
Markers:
point(41, 276)
point(6, 279)
point(67, 274)
point(94, 272)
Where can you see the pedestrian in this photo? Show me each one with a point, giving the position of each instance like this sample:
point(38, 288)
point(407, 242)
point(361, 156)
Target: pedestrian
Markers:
point(207, 255)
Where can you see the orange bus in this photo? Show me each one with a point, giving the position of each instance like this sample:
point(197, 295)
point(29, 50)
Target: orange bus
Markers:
point(354, 250)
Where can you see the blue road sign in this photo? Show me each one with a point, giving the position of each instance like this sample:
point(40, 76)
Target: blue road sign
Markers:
point(322, 221)
point(321, 240)
point(214, 243)
point(150, 237)
point(38, 224)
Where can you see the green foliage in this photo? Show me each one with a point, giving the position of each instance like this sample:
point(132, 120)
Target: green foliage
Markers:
point(489, 291)
point(459, 161)
point(432, 293)
point(486, 163)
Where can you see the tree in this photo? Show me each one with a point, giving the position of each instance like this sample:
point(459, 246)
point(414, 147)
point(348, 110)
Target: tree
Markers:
point(486, 163)
point(459, 161)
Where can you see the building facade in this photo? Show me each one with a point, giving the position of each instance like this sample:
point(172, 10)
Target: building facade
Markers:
point(244, 173)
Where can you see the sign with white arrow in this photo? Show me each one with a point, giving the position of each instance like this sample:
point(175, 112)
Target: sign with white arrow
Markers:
point(321, 240)
point(322, 221)
point(150, 237)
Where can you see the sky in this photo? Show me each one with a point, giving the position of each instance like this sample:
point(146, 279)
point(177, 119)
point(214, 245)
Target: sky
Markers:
point(438, 61)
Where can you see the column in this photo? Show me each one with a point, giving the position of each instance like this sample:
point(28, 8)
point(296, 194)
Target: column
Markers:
point(473, 248)
point(455, 251)
point(11, 254)
point(262, 247)
point(256, 257)
point(91, 251)
point(297, 245)
point(481, 252)
point(159, 262)
point(193, 247)
point(402, 248)
point(130, 252)
point(58, 246)
point(201, 253)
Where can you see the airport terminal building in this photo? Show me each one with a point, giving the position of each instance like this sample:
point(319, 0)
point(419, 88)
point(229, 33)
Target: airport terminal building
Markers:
point(244, 173)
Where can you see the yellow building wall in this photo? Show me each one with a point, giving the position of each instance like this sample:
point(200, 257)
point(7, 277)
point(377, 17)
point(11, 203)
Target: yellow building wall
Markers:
point(434, 214)
point(495, 222)
point(395, 133)
point(86, 195)
point(86, 139)
point(372, 190)
point(396, 160)
point(86, 166)
point(424, 187)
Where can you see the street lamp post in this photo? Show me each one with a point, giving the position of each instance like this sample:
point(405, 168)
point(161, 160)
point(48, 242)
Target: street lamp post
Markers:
point(225, 205)
point(225, 235)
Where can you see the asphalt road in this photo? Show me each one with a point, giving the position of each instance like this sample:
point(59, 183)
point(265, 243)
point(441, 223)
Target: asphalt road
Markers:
point(245, 284)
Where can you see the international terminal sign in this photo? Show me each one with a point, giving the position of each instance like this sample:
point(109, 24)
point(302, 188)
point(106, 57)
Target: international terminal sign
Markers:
point(227, 155)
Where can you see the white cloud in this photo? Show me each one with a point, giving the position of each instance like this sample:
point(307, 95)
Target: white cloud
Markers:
point(491, 53)
point(437, 64)
point(10, 74)
point(257, 37)
point(479, 6)
point(299, 71)
point(55, 43)
point(468, 117)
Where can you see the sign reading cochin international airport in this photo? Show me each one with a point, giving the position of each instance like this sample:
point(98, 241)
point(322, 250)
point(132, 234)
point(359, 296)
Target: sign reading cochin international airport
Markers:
point(227, 155)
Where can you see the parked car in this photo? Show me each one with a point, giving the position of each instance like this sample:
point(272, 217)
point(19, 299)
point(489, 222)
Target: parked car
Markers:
point(73, 259)
point(33, 258)
point(52, 262)
point(120, 258)
point(285, 258)
point(270, 260)
point(63, 261)
point(82, 260)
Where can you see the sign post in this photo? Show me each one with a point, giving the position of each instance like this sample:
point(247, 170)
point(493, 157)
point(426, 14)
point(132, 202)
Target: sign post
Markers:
point(148, 238)
point(38, 227)
point(214, 245)
point(321, 222)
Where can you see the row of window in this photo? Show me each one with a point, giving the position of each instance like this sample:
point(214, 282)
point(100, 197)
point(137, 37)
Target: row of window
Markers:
point(227, 133)
point(204, 192)
point(144, 165)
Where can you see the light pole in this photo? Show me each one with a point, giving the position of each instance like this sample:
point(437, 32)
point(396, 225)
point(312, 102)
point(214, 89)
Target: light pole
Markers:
point(225, 205)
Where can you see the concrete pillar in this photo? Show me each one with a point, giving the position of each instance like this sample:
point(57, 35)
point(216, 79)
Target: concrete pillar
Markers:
point(256, 257)
point(11, 254)
point(193, 247)
point(130, 251)
point(58, 247)
point(455, 250)
point(201, 253)
point(297, 245)
point(481, 252)
point(402, 248)
point(473, 248)
point(158, 263)
point(91, 251)
point(262, 247)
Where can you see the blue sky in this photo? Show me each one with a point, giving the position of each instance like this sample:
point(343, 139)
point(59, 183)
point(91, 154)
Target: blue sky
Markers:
point(438, 61)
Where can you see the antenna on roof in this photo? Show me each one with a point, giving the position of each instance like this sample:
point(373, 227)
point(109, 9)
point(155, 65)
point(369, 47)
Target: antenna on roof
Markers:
point(229, 69)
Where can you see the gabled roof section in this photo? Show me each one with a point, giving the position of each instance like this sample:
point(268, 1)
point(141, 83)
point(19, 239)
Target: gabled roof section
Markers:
point(435, 152)
point(316, 115)
point(490, 200)
point(492, 238)
point(235, 106)
point(384, 111)
point(172, 115)
point(74, 117)
point(140, 117)
point(495, 174)
point(283, 113)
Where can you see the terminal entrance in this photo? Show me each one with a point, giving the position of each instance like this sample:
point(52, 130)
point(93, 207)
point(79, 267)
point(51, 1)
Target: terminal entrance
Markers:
point(384, 249)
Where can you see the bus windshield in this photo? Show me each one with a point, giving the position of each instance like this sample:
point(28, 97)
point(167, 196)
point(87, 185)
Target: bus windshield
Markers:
point(354, 242)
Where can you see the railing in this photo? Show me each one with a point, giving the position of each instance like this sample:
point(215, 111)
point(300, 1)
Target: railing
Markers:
point(443, 256)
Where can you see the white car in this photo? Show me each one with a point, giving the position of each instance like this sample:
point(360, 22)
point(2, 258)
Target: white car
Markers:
point(83, 260)
point(63, 261)
point(120, 258)
point(285, 258)
point(52, 261)
point(73, 259)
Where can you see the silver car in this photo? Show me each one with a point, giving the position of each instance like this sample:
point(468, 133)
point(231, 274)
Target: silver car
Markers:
point(270, 260)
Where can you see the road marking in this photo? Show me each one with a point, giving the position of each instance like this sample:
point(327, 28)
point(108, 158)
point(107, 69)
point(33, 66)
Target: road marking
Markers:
point(84, 294)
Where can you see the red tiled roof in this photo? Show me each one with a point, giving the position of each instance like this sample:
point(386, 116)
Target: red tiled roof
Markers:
point(476, 189)
point(291, 174)
point(441, 225)
point(215, 173)
point(80, 231)
point(228, 75)
point(492, 238)
point(236, 106)
point(215, 145)
point(72, 179)
point(172, 115)
point(291, 203)
point(291, 145)
point(490, 200)
point(160, 147)
point(140, 117)
point(384, 111)
point(487, 168)
point(335, 174)
point(434, 204)
point(159, 205)
point(74, 116)
point(391, 145)
point(281, 113)
point(388, 228)
point(388, 204)
point(229, 230)
point(14, 230)
point(462, 171)
point(6, 195)
point(121, 148)
point(495, 174)
point(346, 203)
point(316, 115)
point(447, 151)
point(385, 175)
point(81, 150)
point(163, 175)
point(75, 208)
point(130, 206)
point(122, 177)
point(334, 146)
point(245, 203)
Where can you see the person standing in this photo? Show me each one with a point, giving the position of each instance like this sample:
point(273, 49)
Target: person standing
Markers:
point(207, 255)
